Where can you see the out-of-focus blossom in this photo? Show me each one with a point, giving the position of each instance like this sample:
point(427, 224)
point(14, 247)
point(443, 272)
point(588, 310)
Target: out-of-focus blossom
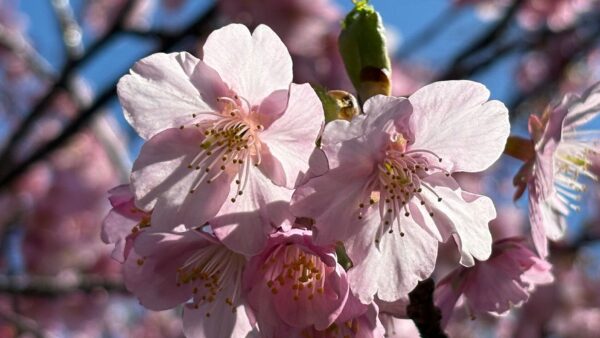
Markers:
point(579, 323)
point(294, 284)
point(504, 280)
point(546, 59)
point(228, 136)
point(63, 219)
point(100, 14)
point(555, 159)
point(533, 14)
point(167, 269)
point(389, 191)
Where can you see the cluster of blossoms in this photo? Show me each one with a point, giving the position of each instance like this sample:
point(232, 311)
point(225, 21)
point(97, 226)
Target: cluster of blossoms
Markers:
point(242, 200)
point(533, 14)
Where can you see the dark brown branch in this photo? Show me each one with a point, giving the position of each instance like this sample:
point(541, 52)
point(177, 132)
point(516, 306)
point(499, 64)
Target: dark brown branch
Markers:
point(48, 286)
point(423, 312)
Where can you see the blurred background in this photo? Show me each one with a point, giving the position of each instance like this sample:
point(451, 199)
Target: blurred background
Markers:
point(64, 142)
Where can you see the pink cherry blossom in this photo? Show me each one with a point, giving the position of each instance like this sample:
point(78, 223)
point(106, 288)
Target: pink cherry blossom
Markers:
point(389, 194)
point(555, 159)
point(168, 269)
point(294, 283)
point(228, 136)
point(123, 221)
point(506, 279)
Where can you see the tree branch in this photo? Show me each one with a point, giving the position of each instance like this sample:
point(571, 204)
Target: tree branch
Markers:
point(483, 41)
point(423, 312)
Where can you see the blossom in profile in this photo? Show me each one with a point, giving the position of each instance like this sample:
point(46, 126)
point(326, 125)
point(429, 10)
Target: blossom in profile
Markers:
point(123, 221)
point(227, 136)
point(556, 157)
point(294, 285)
point(389, 194)
point(506, 279)
point(193, 268)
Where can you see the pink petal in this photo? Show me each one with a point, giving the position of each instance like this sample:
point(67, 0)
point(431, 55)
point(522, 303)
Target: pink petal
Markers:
point(455, 120)
point(383, 109)
point(291, 138)
point(333, 199)
point(115, 229)
point(196, 324)
point(538, 232)
point(411, 258)
point(150, 271)
point(162, 180)
point(446, 295)
point(254, 65)
point(546, 221)
point(582, 110)
point(245, 224)
point(221, 322)
point(462, 214)
point(120, 195)
point(209, 84)
point(158, 94)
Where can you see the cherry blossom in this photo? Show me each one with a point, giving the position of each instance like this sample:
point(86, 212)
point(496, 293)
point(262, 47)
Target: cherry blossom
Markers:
point(555, 159)
point(168, 269)
point(506, 279)
point(295, 284)
point(390, 192)
point(228, 136)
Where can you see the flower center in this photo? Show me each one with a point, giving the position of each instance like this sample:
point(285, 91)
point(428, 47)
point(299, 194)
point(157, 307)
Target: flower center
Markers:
point(571, 162)
point(400, 179)
point(289, 267)
point(208, 270)
point(231, 143)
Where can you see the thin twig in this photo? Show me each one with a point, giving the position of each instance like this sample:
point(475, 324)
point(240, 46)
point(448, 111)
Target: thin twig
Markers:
point(488, 38)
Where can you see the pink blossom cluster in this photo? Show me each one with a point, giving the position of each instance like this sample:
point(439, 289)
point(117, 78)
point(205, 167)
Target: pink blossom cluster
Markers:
point(533, 14)
point(244, 207)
